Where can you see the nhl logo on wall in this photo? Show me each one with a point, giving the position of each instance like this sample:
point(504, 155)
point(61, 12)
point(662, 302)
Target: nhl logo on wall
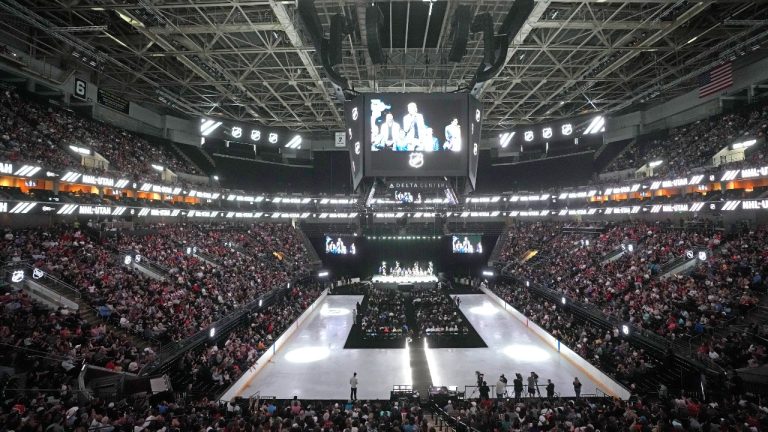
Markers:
point(474, 149)
point(416, 160)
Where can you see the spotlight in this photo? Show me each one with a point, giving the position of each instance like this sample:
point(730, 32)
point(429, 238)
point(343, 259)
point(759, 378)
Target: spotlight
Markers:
point(563, 301)
point(212, 332)
point(527, 283)
point(625, 330)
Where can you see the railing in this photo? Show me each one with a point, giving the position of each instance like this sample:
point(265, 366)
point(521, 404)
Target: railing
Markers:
point(43, 278)
point(501, 240)
point(673, 263)
point(443, 420)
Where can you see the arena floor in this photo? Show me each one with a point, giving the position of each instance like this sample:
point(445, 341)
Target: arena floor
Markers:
point(315, 365)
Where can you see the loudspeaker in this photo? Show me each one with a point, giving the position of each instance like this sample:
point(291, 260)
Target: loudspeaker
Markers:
point(338, 29)
point(460, 23)
point(373, 27)
point(311, 20)
point(484, 23)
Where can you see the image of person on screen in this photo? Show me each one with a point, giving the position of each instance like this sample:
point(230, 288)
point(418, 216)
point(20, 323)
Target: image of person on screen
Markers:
point(453, 136)
point(388, 136)
point(430, 143)
point(467, 246)
point(413, 127)
point(457, 246)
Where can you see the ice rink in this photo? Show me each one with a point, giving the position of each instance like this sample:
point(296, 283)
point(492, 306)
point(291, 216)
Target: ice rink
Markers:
point(313, 364)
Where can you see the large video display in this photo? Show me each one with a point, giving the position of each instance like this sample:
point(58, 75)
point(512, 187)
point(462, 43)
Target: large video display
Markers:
point(340, 245)
point(467, 243)
point(416, 134)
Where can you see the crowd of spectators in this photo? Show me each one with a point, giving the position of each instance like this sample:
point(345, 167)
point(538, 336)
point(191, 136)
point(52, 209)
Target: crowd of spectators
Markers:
point(383, 314)
point(221, 364)
point(245, 261)
point(42, 133)
point(207, 415)
point(194, 294)
point(629, 287)
point(668, 414)
point(51, 345)
point(739, 348)
point(437, 314)
point(694, 145)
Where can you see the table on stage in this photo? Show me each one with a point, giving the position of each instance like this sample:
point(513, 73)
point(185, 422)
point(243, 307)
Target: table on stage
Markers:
point(389, 281)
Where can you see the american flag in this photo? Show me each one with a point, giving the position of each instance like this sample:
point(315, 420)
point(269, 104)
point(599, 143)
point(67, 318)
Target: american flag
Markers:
point(715, 80)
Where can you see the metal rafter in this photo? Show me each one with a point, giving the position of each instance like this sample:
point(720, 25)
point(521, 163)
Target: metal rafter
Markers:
point(571, 55)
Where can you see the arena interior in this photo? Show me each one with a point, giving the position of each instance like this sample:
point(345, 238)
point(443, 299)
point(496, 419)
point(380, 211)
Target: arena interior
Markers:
point(387, 215)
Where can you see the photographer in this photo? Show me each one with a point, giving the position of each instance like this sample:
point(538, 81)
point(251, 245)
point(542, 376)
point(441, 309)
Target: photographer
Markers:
point(480, 377)
point(485, 391)
point(518, 383)
point(550, 389)
point(501, 387)
point(533, 385)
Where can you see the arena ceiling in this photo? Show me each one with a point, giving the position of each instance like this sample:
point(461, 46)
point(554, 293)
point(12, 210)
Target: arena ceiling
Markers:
point(251, 60)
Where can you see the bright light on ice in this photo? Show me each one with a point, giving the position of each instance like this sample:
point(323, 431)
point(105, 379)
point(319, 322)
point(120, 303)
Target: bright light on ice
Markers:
point(330, 311)
point(526, 353)
point(307, 354)
point(486, 309)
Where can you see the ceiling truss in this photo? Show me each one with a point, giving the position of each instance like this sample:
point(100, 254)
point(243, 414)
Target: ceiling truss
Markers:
point(251, 60)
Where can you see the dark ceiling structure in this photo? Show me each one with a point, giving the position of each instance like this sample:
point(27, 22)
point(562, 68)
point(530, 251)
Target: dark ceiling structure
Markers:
point(253, 59)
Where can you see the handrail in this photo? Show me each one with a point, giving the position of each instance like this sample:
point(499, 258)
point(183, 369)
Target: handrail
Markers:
point(38, 274)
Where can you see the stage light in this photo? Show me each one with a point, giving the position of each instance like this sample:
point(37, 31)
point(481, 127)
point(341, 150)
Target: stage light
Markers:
point(563, 301)
point(322, 274)
point(212, 332)
point(655, 163)
point(261, 302)
point(488, 273)
point(526, 353)
point(486, 309)
point(307, 354)
point(625, 329)
point(527, 283)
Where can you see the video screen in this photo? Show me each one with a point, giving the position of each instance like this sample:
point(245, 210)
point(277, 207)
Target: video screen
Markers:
point(467, 243)
point(417, 134)
point(340, 245)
